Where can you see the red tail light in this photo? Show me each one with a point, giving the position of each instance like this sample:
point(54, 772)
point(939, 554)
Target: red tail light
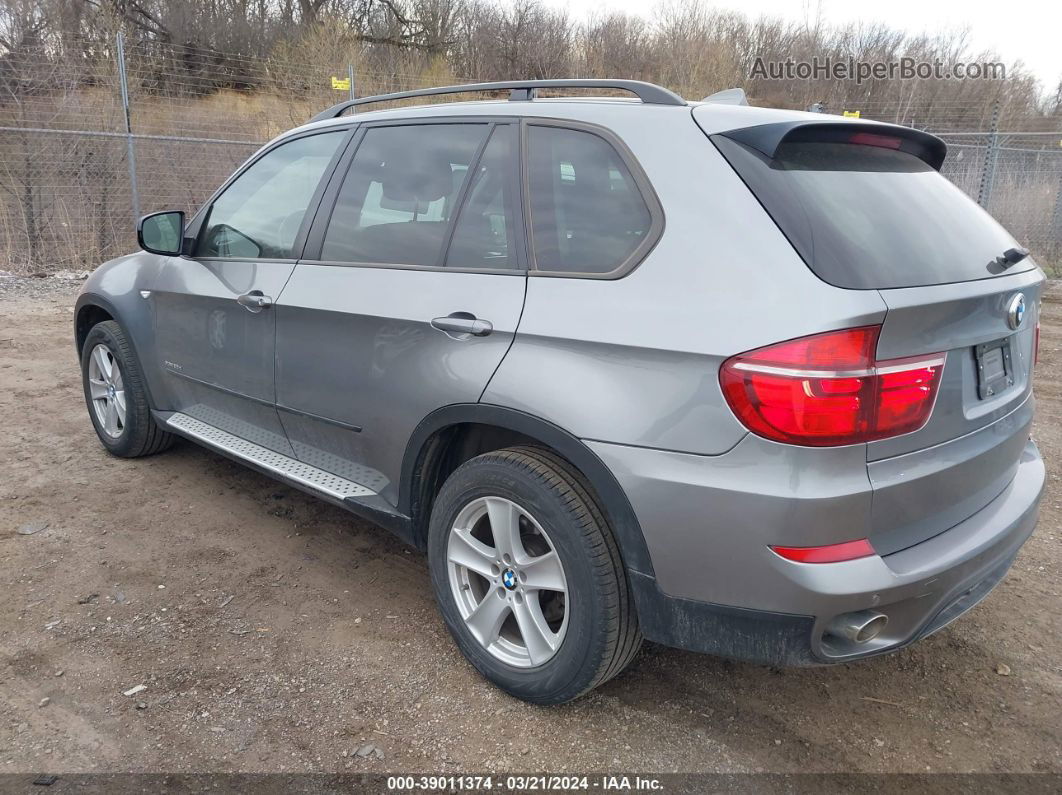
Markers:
point(828, 389)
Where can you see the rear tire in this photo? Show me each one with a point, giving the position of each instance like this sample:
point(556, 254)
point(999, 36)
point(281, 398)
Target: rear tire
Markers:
point(554, 632)
point(116, 396)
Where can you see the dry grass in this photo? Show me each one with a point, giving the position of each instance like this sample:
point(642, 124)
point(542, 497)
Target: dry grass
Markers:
point(65, 199)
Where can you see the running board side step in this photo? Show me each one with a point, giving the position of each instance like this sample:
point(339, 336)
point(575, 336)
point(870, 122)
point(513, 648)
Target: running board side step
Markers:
point(359, 500)
point(310, 478)
point(379, 511)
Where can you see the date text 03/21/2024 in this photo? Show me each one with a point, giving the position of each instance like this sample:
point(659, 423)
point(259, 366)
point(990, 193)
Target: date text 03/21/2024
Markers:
point(522, 783)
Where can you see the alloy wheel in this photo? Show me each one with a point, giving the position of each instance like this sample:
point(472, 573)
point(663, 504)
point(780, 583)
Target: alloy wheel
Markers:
point(107, 391)
point(508, 582)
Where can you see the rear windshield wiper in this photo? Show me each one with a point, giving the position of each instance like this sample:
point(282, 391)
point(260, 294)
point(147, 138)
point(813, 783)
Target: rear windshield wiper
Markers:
point(1012, 256)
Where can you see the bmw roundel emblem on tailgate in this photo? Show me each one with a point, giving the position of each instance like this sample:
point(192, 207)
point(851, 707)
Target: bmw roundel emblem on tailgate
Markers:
point(1016, 311)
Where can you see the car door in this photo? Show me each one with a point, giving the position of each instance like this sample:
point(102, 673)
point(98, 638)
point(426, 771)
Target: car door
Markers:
point(410, 295)
point(215, 326)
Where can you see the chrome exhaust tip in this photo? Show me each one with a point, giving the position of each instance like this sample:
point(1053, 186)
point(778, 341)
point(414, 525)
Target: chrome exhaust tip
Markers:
point(859, 627)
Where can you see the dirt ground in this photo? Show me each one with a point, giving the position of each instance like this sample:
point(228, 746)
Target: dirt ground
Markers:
point(273, 632)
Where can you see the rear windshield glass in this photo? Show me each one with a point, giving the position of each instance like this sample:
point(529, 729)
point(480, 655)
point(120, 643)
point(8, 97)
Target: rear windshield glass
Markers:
point(867, 217)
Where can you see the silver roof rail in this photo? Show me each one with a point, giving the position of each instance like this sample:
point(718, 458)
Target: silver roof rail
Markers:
point(519, 91)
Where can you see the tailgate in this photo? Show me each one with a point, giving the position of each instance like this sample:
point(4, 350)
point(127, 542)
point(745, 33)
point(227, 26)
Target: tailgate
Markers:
point(928, 481)
point(866, 208)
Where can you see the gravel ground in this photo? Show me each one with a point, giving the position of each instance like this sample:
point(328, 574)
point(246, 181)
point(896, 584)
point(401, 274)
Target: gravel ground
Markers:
point(23, 287)
point(272, 632)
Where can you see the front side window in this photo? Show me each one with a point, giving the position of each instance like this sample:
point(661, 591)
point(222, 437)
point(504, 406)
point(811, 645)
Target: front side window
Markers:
point(259, 215)
point(587, 214)
point(400, 194)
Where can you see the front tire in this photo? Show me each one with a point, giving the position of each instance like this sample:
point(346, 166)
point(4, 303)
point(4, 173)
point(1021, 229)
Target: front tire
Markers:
point(116, 396)
point(528, 576)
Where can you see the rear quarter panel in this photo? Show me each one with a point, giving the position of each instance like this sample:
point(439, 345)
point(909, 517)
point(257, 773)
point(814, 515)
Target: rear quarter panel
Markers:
point(635, 360)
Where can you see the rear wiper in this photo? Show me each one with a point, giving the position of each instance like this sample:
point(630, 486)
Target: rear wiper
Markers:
point(1012, 256)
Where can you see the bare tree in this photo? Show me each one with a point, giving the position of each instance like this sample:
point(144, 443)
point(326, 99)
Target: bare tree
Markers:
point(244, 70)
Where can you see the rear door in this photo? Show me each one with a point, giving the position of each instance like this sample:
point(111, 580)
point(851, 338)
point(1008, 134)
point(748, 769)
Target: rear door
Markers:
point(865, 210)
point(409, 296)
point(215, 322)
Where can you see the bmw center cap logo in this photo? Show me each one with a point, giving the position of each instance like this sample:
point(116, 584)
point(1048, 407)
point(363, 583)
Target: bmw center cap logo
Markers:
point(1016, 311)
point(509, 579)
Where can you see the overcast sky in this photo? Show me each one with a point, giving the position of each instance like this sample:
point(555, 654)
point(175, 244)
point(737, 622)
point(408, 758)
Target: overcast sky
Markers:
point(1030, 30)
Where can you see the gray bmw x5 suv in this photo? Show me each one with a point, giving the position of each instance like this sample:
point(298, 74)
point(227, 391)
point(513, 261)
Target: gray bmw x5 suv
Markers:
point(750, 382)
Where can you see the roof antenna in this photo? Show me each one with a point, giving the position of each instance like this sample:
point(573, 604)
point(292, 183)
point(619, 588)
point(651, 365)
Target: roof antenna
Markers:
point(731, 96)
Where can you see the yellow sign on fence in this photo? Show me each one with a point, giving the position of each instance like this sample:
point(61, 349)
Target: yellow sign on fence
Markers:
point(340, 84)
point(850, 114)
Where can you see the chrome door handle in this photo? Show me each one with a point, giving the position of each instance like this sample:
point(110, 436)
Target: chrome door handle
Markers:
point(255, 301)
point(463, 323)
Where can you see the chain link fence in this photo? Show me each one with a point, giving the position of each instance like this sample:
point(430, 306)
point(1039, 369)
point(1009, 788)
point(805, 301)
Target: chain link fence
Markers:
point(1017, 177)
point(88, 145)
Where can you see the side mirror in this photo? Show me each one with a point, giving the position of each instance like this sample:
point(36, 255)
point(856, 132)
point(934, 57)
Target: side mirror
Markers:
point(161, 233)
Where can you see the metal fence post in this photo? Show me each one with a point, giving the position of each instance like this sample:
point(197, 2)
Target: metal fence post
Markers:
point(123, 81)
point(350, 76)
point(988, 171)
point(1056, 224)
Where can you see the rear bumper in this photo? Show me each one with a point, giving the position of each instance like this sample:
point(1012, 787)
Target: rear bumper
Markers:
point(786, 606)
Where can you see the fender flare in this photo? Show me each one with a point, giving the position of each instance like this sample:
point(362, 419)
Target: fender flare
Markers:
point(613, 499)
point(95, 299)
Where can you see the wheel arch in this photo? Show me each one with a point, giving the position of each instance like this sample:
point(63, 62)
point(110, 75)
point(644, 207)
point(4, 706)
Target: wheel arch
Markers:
point(90, 310)
point(93, 308)
point(432, 438)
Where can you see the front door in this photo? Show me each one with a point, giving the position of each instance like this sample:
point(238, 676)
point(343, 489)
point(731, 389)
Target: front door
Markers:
point(411, 299)
point(216, 325)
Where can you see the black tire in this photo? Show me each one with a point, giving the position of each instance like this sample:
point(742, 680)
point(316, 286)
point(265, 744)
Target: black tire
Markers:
point(602, 635)
point(140, 435)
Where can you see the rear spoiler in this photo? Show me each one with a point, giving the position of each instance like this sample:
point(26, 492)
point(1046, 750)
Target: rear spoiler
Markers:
point(766, 138)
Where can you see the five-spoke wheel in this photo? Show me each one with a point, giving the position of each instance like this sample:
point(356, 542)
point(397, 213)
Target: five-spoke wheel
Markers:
point(116, 395)
point(107, 390)
point(508, 581)
point(528, 576)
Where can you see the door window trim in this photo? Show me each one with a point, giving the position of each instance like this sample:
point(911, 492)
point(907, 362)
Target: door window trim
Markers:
point(315, 238)
point(196, 226)
point(641, 182)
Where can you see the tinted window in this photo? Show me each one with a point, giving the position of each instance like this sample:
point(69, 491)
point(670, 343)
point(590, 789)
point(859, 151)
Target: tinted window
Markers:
point(260, 213)
point(587, 215)
point(868, 217)
point(483, 235)
point(399, 194)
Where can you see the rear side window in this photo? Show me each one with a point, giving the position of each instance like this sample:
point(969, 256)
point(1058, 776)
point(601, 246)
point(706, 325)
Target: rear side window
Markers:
point(587, 213)
point(400, 193)
point(869, 217)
